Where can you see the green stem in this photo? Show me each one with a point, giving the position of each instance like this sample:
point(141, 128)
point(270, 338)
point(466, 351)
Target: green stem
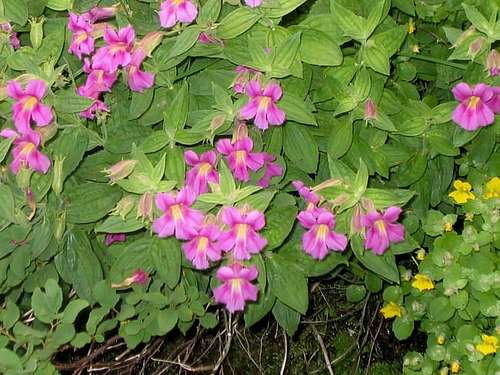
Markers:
point(434, 60)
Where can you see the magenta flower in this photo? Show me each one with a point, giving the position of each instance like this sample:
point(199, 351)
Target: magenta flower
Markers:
point(320, 237)
point(172, 11)
point(236, 286)
point(271, 170)
point(371, 112)
point(242, 236)
point(253, 3)
point(242, 78)
point(82, 40)
point(91, 112)
point(310, 197)
point(240, 157)
point(178, 217)
point(111, 238)
point(262, 105)
point(203, 38)
point(381, 229)
point(98, 81)
point(202, 172)
point(25, 152)
point(203, 247)
point(117, 51)
point(494, 102)
point(138, 277)
point(472, 113)
point(28, 105)
point(98, 14)
point(13, 39)
point(139, 80)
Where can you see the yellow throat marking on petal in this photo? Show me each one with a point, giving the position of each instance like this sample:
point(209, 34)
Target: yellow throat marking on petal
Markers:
point(205, 168)
point(177, 2)
point(264, 102)
point(380, 225)
point(81, 38)
point(236, 285)
point(241, 231)
point(241, 157)
point(322, 232)
point(27, 148)
point(118, 47)
point(176, 212)
point(473, 102)
point(202, 244)
point(30, 103)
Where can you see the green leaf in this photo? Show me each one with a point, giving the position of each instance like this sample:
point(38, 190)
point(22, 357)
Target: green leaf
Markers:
point(288, 283)
point(279, 223)
point(166, 319)
point(237, 22)
point(4, 147)
point(258, 310)
point(47, 304)
point(209, 12)
point(477, 19)
point(10, 361)
point(16, 11)
point(63, 334)
point(350, 23)
point(300, 147)
point(440, 309)
point(69, 101)
point(176, 114)
point(317, 48)
point(285, 55)
point(296, 109)
point(104, 294)
point(402, 327)
point(70, 145)
point(115, 224)
point(382, 265)
point(175, 167)
point(10, 315)
point(383, 198)
point(355, 293)
point(59, 5)
point(140, 103)
point(185, 41)
point(166, 258)
point(286, 317)
point(73, 309)
point(7, 208)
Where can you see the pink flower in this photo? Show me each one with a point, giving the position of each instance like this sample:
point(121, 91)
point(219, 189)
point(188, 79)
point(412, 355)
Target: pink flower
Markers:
point(98, 81)
point(493, 63)
point(13, 39)
point(310, 197)
point(25, 152)
point(320, 237)
point(370, 110)
point(203, 247)
point(236, 287)
point(178, 216)
point(98, 106)
point(472, 113)
point(262, 105)
point(172, 11)
point(239, 157)
point(202, 172)
point(139, 80)
point(242, 236)
point(271, 170)
point(138, 277)
point(253, 3)
point(203, 38)
point(28, 105)
point(242, 78)
point(82, 41)
point(111, 238)
point(117, 51)
point(98, 14)
point(494, 102)
point(381, 229)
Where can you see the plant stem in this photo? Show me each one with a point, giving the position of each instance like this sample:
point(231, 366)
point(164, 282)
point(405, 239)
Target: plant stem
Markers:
point(435, 60)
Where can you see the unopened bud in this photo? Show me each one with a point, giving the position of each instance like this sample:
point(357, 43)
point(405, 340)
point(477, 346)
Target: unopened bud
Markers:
point(217, 122)
point(98, 13)
point(370, 110)
point(145, 206)
point(139, 277)
point(469, 216)
point(36, 32)
point(444, 371)
point(415, 48)
point(493, 63)
point(448, 227)
point(476, 46)
point(150, 42)
point(455, 367)
point(357, 214)
point(411, 26)
point(441, 339)
point(31, 201)
point(124, 206)
point(111, 238)
point(240, 132)
point(58, 179)
point(420, 255)
point(47, 132)
point(120, 170)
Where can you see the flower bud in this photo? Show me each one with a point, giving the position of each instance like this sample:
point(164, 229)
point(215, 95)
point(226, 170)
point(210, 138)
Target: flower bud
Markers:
point(441, 339)
point(420, 255)
point(493, 63)
point(357, 214)
point(444, 371)
point(98, 13)
point(415, 48)
point(58, 179)
point(469, 216)
point(455, 367)
point(138, 277)
point(120, 170)
point(123, 207)
point(217, 122)
point(36, 32)
point(47, 132)
point(476, 46)
point(370, 110)
point(150, 42)
point(241, 131)
point(145, 207)
point(411, 26)
point(448, 227)
point(31, 201)
point(111, 238)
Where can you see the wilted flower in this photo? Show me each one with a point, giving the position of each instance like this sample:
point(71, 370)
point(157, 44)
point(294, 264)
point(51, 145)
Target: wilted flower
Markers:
point(203, 38)
point(178, 217)
point(120, 170)
point(202, 172)
point(271, 169)
point(476, 46)
point(28, 105)
point(242, 237)
point(117, 51)
point(320, 238)
point(493, 63)
point(173, 11)
point(236, 286)
point(111, 238)
point(138, 277)
point(473, 112)
point(145, 206)
point(462, 193)
point(488, 345)
point(25, 152)
point(262, 105)
point(391, 310)
point(123, 207)
point(492, 188)
point(382, 229)
point(203, 247)
point(138, 80)
point(240, 157)
point(422, 282)
point(13, 39)
point(82, 41)
point(242, 78)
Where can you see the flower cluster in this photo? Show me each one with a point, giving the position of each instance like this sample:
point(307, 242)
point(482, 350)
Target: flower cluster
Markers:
point(27, 109)
point(463, 191)
point(478, 105)
point(119, 51)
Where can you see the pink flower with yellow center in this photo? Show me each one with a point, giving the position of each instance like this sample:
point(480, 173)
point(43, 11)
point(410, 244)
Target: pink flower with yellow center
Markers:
point(473, 112)
point(82, 41)
point(28, 105)
point(242, 237)
point(117, 51)
point(203, 247)
point(320, 238)
point(173, 11)
point(240, 157)
point(262, 104)
point(139, 80)
point(98, 81)
point(202, 172)
point(236, 286)
point(178, 217)
point(25, 152)
point(381, 229)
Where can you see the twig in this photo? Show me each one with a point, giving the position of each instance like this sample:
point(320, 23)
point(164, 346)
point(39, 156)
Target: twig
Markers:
point(373, 346)
point(229, 339)
point(323, 349)
point(283, 365)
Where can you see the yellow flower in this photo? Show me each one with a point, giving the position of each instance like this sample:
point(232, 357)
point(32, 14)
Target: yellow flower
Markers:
point(492, 188)
point(421, 254)
point(455, 367)
point(391, 310)
point(462, 192)
point(441, 339)
point(469, 216)
point(415, 48)
point(411, 26)
point(489, 345)
point(448, 227)
point(422, 282)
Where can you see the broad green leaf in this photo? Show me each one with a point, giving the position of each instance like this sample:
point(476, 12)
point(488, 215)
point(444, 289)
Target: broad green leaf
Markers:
point(300, 147)
point(237, 22)
point(16, 11)
point(166, 320)
point(279, 223)
point(176, 114)
point(317, 48)
point(69, 101)
point(72, 310)
point(402, 327)
point(209, 12)
point(352, 24)
point(383, 198)
point(477, 19)
point(7, 207)
point(286, 317)
point(166, 258)
point(185, 40)
point(10, 361)
point(115, 224)
point(296, 109)
point(382, 265)
point(256, 311)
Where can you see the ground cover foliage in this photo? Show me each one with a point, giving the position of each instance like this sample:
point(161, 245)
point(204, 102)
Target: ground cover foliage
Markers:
point(273, 186)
